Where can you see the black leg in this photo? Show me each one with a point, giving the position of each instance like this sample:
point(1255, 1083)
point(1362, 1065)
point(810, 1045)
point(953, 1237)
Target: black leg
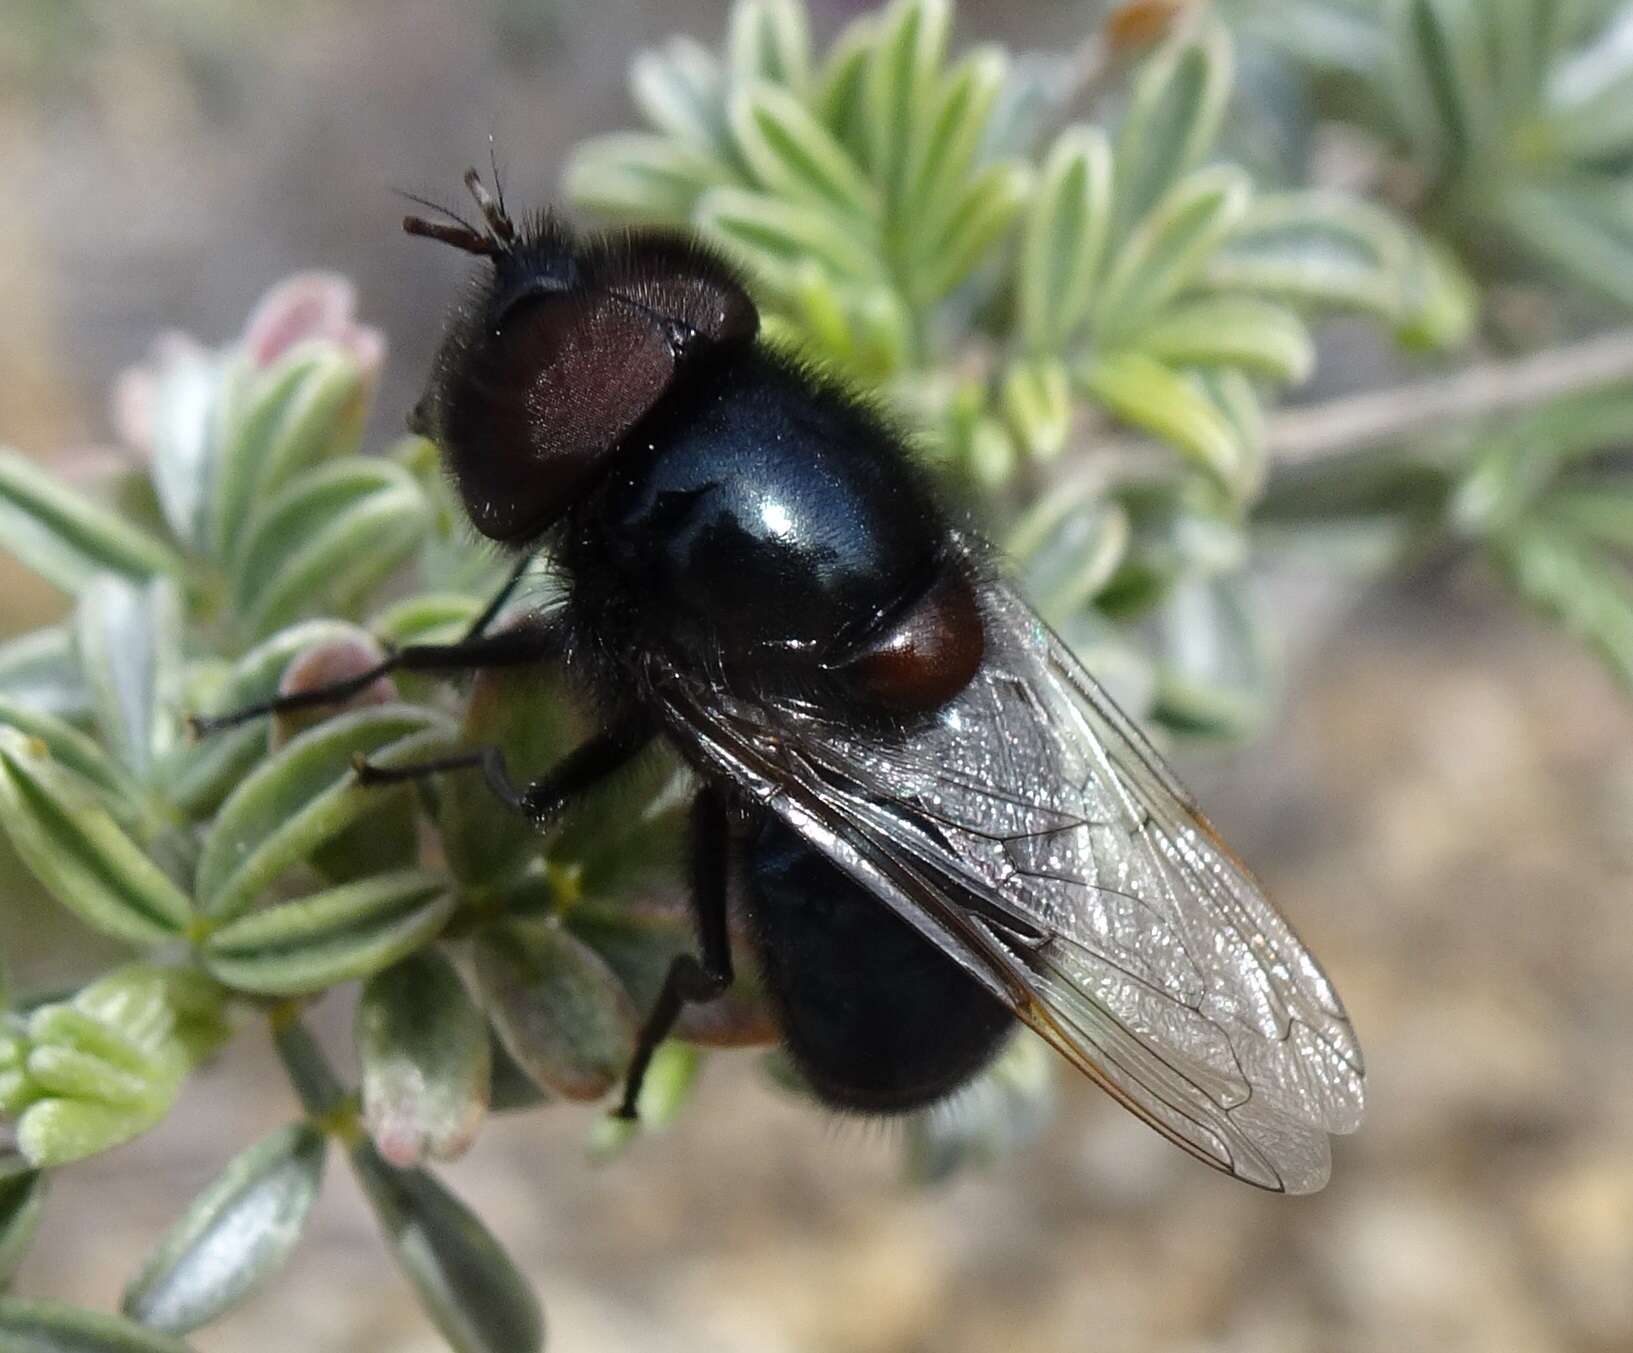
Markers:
point(691, 979)
point(543, 799)
point(500, 598)
point(507, 649)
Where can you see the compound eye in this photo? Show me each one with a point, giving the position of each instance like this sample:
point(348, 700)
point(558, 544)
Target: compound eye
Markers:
point(926, 655)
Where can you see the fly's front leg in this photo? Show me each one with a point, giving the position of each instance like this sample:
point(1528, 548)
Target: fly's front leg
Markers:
point(692, 978)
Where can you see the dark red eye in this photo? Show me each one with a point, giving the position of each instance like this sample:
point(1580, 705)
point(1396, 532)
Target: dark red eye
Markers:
point(927, 655)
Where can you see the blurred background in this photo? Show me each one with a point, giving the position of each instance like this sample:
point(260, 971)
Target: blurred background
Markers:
point(1443, 803)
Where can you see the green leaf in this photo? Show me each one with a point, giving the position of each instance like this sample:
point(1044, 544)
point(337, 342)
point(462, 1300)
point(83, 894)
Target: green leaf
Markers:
point(298, 799)
point(40, 671)
point(1168, 251)
point(68, 539)
point(307, 408)
point(181, 415)
point(1064, 238)
point(1439, 79)
point(980, 219)
point(557, 1006)
point(898, 91)
point(21, 1198)
point(680, 89)
point(769, 237)
point(1580, 229)
point(80, 754)
point(469, 1286)
point(1037, 402)
point(293, 948)
point(28, 1326)
point(795, 158)
point(769, 41)
point(424, 1049)
point(839, 102)
point(637, 177)
point(74, 847)
point(1597, 125)
point(325, 540)
point(428, 618)
point(1602, 513)
point(1213, 672)
point(1145, 393)
point(943, 158)
point(1240, 331)
point(1069, 545)
point(129, 641)
point(235, 1235)
point(1173, 119)
point(1565, 577)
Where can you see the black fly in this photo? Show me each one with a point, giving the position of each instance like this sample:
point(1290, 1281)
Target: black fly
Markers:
point(943, 823)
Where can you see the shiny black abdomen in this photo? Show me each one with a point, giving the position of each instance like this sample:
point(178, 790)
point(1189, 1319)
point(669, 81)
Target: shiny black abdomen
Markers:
point(761, 515)
point(876, 1017)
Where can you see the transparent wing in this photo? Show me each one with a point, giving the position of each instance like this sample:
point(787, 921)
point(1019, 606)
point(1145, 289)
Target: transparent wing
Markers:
point(1035, 836)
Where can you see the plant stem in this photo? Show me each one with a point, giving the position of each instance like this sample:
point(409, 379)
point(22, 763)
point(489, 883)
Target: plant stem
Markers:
point(320, 1091)
point(1485, 390)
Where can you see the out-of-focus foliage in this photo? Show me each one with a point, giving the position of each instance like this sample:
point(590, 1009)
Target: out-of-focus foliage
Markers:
point(1089, 321)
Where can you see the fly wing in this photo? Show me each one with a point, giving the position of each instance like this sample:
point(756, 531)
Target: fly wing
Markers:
point(1036, 837)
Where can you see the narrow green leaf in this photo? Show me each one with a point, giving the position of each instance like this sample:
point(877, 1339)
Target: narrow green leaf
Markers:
point(1440, 80)
point(1598, 126)
point(898, 89)
point(298, 799)
point(1037, 402)
point(770, 237)
point(1064, 238)
point(990, 454)
point(469, 1286)
point(557, 1006)
point(1580, 229)
point(424, 1049)
point(1602, 513)
point(181, 416)
point(1567, 579)
point(1145, 393)
point(637, 177)
point(40, 671)
point(1240, 331)
point(299, 551)
point(235, 1235)
point(79, 753)
point(1069, 544)
point(1173, 119)
point(1168, 251)
point(769, 40)
point(681, 90)
point(985, 212)
point(292, 948)
point(795, 158)
point(68, 539)
point(943, 158)
point(75, 848)
point(426, 618)
point(21, 1198)
point(128, 637)
point(28, 1326)
point(1213, 673)
point(839, 102)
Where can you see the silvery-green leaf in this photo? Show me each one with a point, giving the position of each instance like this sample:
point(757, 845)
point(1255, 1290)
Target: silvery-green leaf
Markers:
point(1213, 672)
point(469, 1286)
point(1602, 514)
point(1168, 251)
point(898, 89)
point(990, 454)
point(838, 100)
point(74, 847)
point(1033, 99)
point(1064, 237)
point(325, 540)
point(1036, 400)
point(1336, 35)
point(671, 1076)
point(1439, 77)
point(681, 91)
point(40, 671)
point(557, 1006)
point(21, 1197)
point(1599, 126)
point(982, 216)
point(128, 636)
point(1567, 578)
point(795, 158)
point(1580, 228)
point(1069, 544)
point(307, 408)
point(635, 176)
point(235, 1235)
point(1234, 394)
point(426, 618)
point(30, 1326)
point(1001, 1111)
point(510, 1087)
point(1172, 120)
point(424, 1050)
point(79, 753)
point(67, 539)
point(1332, 250)
point(298, 799)
point(942, 159)
point(769, 237)
point(201, 773)
point(769, 40)
point(182, 426)
point(1148, 395)
point(312, 943)
point(1236, 331)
